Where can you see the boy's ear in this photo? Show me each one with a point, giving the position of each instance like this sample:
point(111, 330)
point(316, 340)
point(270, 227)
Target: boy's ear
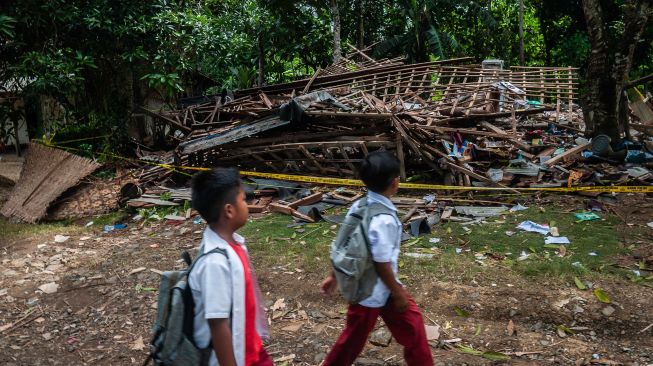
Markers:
point(228, 211)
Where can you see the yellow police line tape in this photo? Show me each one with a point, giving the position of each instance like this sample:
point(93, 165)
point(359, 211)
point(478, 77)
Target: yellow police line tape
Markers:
point(358, 183)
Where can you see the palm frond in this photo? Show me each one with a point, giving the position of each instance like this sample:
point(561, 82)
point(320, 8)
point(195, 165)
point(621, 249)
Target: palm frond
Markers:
point(392, 45)
point(435, 45)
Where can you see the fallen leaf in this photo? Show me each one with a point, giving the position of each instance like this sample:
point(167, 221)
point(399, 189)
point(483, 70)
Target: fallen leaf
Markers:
point(565, 329)
point(602, 296)
point(478, 330)
point(469, 350)
point(461, 312)
point(61, 238)
point(511, 328)
point(293, 327)
point(279, 304)
point(495, 356)
point(289, 357)
point(136, 270)
point(580, 284)
point(138, 344)
point(562, 251)
point(49, 288)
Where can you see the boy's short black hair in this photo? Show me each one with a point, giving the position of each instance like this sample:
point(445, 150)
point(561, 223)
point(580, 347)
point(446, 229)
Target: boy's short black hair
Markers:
point(213, 189)
point(378, 170)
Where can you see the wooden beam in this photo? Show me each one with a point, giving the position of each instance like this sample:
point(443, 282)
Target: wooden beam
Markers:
point(308, 200)
point(573, 151)
point(281, 208)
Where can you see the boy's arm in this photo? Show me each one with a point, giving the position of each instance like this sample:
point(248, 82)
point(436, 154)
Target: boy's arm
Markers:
point(329, 284)
point(222, 344)
point(399, 294)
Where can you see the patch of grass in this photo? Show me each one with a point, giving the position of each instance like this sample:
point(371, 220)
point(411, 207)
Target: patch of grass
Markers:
point(587, 237)
point(302, 246)
point(273, 241)
point(110, 218)
point(11, 230)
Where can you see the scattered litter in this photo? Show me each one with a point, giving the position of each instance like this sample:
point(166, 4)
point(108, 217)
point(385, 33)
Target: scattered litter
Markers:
point(592, 254)
point(530, 226)
point(110, 228)
point(556, 240)
point(432, 332)
point(428, 199)
point(61, 238)
point(518, 207)
point(90, 223)
point(510, 233)
point(197, 220)
point(650, 224)
point(434, 240)
point(174, 217)
point(420, 255)
point(459, 250)
point(523, 256)
point(587, 216)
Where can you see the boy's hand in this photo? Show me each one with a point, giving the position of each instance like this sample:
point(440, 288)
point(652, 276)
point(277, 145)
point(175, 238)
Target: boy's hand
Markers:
point(329, 285)
point(400, 300)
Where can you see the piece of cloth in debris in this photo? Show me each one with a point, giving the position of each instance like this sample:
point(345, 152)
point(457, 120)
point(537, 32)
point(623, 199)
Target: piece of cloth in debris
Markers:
point(556, 240)
point(531, 226)
point(283, 188)
point(293, 111)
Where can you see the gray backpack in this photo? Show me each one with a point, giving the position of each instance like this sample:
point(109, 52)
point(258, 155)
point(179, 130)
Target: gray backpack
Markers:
point(173, 342)
point(350, 253)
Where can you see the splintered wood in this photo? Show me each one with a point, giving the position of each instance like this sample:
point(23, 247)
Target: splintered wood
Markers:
point(445, 117)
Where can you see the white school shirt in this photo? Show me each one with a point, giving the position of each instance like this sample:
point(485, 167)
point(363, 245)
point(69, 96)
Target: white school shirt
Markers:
point(218, 286)
point(385, 243)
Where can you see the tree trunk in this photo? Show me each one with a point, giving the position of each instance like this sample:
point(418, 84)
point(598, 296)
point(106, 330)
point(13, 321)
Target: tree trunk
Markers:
point(606, 106)
point(261, 59)
point(521, 32)
point(335, 28)
point(361, 24)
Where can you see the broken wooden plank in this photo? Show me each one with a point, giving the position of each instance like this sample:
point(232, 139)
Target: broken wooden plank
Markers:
point(281, 208)
point(308, 200)
point(571, 152)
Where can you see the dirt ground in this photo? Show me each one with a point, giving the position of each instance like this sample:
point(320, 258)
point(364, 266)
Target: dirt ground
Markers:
point(104, 305)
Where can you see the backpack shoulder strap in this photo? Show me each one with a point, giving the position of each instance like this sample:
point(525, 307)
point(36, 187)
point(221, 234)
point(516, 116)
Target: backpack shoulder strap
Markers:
point(376, 209)
point(215, 250)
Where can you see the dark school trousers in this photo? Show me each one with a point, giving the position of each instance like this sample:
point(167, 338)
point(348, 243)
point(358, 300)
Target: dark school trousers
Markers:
point(407, 328)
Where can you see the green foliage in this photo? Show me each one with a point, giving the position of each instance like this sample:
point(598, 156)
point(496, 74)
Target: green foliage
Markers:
point(98, 58)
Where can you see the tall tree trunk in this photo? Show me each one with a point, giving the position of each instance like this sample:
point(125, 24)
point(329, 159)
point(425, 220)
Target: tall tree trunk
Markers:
point(335, 28)
point(521, 32)
point(261, 59)
point(606, 106)
point(361, 24)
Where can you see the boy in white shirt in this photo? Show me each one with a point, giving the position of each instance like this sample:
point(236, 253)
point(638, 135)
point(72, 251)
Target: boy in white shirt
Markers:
point(390, 300)
point(229, 316)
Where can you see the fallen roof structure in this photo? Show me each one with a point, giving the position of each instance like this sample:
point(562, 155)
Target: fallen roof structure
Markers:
point(46, 174)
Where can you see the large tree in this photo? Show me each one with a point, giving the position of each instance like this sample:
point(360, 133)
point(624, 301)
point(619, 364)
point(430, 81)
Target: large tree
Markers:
point(615, 29)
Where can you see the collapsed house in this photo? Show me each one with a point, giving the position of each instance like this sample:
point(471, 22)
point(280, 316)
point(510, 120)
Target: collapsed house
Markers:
point(451, 121)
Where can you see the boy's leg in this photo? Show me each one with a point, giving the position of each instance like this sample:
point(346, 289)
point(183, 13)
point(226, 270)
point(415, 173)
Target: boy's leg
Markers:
point(360, 322)
point(408, 329)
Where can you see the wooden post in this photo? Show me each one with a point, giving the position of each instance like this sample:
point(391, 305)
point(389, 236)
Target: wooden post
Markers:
point(400, 157)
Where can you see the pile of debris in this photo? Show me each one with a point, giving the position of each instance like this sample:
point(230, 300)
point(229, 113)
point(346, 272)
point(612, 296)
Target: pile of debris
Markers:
point(450, 122)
